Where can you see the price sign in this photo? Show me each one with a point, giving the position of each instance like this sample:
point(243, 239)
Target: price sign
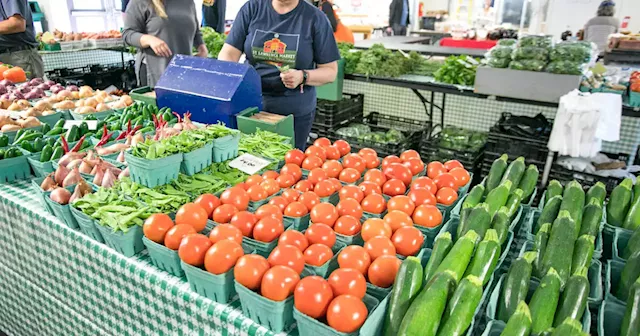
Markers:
point(249, 164)
point(92, 124)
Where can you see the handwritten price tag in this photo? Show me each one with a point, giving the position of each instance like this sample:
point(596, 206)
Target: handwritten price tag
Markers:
point(249, 164)
point(91, 124)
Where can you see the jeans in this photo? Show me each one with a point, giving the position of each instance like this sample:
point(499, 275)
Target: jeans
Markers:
point(303, 114)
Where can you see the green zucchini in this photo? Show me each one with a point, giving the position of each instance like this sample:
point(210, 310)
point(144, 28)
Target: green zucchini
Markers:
point(515, 286)
point(573, 202)
point(485, 258)
point(441, 248)
point(582, 252)
point(424, 315)
point(619, 203)
point(479, 220)
point(514, 173)
point(630, 273)
point(636, 191)
point(513, 202)
point(474, 196)
point(498, 197)
point(458, 258)
point(59, 123)
point(540, 245)
point(461, 307)
point(591, 218)
point(58, 151)
point(632, 221)
point(55, 131)
point(559, 251)
point(597, 192)
point(633, 245)
point(631, 321)
point(529, 181)
point(544, 302)
point(501, 222)
point(549, 212)
point(45, 128)
point(46, 154)
point(569, 327)
point(463, 224)
point(554, 188)
point(73, 134)
point(408, 284)
point(574, 297)
point(519, 323)
point(498, 167)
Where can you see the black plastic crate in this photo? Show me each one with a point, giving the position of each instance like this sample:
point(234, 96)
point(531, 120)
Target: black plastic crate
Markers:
point(330, 113)
point(521, 136)
point(565, 175)
point(433, 150)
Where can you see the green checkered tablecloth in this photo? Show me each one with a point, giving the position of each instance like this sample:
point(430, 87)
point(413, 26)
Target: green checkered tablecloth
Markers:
point(57, 281)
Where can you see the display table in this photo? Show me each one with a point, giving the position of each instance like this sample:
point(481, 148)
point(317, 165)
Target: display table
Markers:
point(57, 281)
point(470, 44)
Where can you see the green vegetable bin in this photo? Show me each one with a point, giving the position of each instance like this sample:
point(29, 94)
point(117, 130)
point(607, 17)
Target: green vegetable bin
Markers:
point(12, 134)
point(308, 326)
point(225, 148)
point(139, 95)
point(35, 185)
point(98, 115)
point(51, 119)
point(297, 223)
point(196, 160)
point(87, 225)
point(127, 243)
point(613, 272)
point(608, 235)
point(163, 258)
point(16, 168)
point(62, 212)
point(610, 318)
point(333, 199)
point(492, 305)
point(328, 267)
point(248, 125)
point(217, 287)
point(620, 241)
point(431, 233)
point(634, 98)
point(356, 239)
point(333, 91)
point(152, 173)
point(367, 215)
point(40, 169)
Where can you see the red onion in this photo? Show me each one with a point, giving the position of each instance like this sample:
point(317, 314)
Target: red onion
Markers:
point(73, 178)
point(75, 163)
point(85, 167)
point(65, 159)
point(108, 180)
point(48, 183)
point(60, 174)
point(124, 173)
point(60, 196)
point(97, 179)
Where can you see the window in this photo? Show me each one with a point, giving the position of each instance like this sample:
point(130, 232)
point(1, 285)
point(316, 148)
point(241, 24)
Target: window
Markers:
point(95, 15)
point(87, 5)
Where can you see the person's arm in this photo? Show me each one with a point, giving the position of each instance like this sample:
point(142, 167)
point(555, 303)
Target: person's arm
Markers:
point(331, 15)
point(234, 44)
point(14, 24)
point(229, 53)
point(134, 33)
point(198, 42)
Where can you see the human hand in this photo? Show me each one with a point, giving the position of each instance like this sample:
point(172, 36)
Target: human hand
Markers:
point(292, 78)
point(159, 46)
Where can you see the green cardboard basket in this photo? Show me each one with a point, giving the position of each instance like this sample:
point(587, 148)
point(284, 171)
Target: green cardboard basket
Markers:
point(367, 215)
point(613, 271)
point(13, 169)
point(431, 233)
point(139, 95)
point(128, 243)
point(35, 185)
point(610, 318)
point(217, 287)
point(248, 125)
point(152, 173)
point(163, 258)
point(87, 225)
point(51, 119)
point(98, 115)
point(62, 212)
point(608, 235)
point(298, 223)
point(225, 148)
point(196, 160)
point(40, 169)
point(333, 91)
point(328, 267)
point(276, 316)
point(308, 326)
point(620, 241)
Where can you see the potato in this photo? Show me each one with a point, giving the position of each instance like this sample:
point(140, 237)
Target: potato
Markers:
point(80, 103)
point(32, 112)
point(91, 102)
point(15, 107)
point(10, 128)
point(42, 105)
point(24, 104)
point(64, 105)
point(48, 112)
point(102, 107)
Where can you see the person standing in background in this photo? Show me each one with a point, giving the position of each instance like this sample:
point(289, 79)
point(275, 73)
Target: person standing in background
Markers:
point(124, 5)
point(598, 29)
point(160, 29)
point(399, 17)
point(18, 45)
point(341, 32)
point(213, 14)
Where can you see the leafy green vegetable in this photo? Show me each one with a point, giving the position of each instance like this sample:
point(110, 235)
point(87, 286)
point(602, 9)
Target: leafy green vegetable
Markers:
point(381, 62)
point(565, 67)
point(507, 42)
point(528, 64)
point(165, 198)
point(199, 184)
point(351, 57)
point(501, 52)
point(573, 52)
point(530, 53)
point(538, 41)
point(225, 173)
point(459, 70)
point(499, 63)
point(266, 144)
point(213, 40)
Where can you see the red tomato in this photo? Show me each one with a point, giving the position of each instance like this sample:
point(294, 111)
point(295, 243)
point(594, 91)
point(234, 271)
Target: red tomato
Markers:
point(349, 280)
point(278, 283)
point(253, 180)
point(424, 182)
point(312, 161)
point(371, 161)
point(369, 188)
point(407, 240)
point(316, 175)
point(309, 199)
point(303, 186)
point(312, 296)
point(375, 227)
point(193, 248)
point(336, 184)
point(349, 207)
point(332, 168)
point(394, 187)
point(294, 156)
point(257, 193)
point(270, 186)
point(389, 160)
point(293, 170)
point(287, 255)
point(446, 196)
point(237, 197)
point(379, 246)
point(354, 161)
point(445, 180)
point(324, 188)
point(397, 219)
point(286, 181)
point(225, 231)
point(268, 229)
point(270, 174)
point(347, 226)
point(349, 175)
point(375, 176)
point(427, 216)
point(156, 227)
point(401, 203)
point(374, 203)
point(435, 168)
point(398, 171)
point(317, 255)
point(241, 185)
point(322, 142)
point(317, 151)
point(324, 213)
point(320, 234)
point(449, 165)
point(250, 269)
point(382, 271)
point(351, 191)
point(222, 256)
point(409, 154)
point(460, 176)
point(346, 313)
point(268, 210)
point(294, 238)
point(295, 209)
point(193, 215)
point(244, 221)
point(367, 151)
point(422, 196)
point(280, 202)
point(333, 153)
point(174, 236)
point(208, 202)
point(343, 147)
point(416, 166)
point(224, 213)
point(291, 195)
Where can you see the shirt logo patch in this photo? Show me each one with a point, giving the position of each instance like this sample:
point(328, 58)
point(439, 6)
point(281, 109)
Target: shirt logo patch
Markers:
point(275, 48)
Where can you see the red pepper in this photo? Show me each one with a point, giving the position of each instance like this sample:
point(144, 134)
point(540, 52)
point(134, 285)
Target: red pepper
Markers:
point(65, 145)
point(78, 145)
point(105, 138)
point(177, 116)
point(155, 121)
point(136, 129)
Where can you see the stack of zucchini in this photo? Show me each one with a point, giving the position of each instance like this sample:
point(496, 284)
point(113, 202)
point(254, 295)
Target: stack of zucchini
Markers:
point(623, 209)
point(495, 203)
point(442, 297)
